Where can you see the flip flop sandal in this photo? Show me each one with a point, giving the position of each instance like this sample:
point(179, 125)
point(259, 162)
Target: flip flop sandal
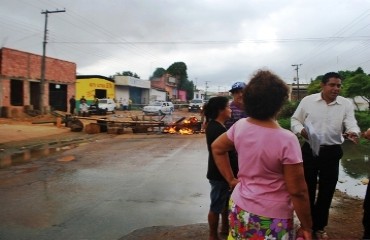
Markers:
point(321, 235)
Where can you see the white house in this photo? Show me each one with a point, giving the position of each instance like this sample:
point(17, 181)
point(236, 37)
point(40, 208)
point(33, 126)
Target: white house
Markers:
point(360, 103)
point(157, 95)
point(199, 95)
point(132, 88)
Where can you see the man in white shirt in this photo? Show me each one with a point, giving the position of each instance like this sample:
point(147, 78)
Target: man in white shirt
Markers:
point(124, 104)
point(329, 116)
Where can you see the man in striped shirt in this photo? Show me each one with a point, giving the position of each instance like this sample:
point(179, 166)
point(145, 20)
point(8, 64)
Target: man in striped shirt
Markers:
point(237, 108)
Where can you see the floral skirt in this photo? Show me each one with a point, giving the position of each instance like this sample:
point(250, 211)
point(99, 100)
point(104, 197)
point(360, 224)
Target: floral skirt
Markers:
point(245, 225)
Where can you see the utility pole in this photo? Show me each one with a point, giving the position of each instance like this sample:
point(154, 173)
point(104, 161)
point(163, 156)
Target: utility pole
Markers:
point(205, 94)
point(297, 69)
point(43, 59)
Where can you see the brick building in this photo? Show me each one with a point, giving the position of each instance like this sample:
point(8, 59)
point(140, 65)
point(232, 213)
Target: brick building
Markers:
point(168, 84)
point(20, 82)
point(294, 91)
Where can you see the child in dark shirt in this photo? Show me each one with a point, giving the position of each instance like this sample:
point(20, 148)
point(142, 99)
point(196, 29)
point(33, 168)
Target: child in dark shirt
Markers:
point(217, 111)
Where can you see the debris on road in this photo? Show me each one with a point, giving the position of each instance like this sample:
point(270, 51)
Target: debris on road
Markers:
point(66, 158)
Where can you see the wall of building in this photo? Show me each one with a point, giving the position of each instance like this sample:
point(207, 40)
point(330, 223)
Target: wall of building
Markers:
point(182, 95)
point(122, 92)
point(26, 67)
point(132, 88)
point(157, 95)
point(88, 85)
point(19, 64)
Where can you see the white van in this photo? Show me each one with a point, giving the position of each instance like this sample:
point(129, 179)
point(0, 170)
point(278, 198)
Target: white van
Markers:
point(107, 104)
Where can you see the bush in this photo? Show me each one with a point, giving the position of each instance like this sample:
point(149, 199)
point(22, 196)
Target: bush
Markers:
point(288, 109)
point(363, 120)
point(284, 123)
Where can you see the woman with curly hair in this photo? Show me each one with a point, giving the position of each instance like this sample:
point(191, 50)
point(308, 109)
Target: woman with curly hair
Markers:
point(270, 183)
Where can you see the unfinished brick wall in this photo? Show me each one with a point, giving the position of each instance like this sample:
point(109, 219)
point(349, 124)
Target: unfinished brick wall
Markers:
point(15, 64)
point(18, 64)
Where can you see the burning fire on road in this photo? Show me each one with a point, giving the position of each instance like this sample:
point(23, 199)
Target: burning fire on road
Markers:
point(184, 126)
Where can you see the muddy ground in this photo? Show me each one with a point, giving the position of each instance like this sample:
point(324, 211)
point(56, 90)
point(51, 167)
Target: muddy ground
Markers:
point(345, 223)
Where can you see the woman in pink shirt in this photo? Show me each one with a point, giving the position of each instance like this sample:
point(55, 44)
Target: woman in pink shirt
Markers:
point(270, 184)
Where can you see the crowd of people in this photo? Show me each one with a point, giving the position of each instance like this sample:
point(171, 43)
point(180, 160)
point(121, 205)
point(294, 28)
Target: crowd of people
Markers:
point(260, 174)
point(122, 104)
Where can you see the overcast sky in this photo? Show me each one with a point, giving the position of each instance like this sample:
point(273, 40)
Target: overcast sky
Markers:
point(220, 41)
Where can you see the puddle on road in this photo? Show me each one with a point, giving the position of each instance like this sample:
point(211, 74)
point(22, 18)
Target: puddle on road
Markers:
point(25, 155)
point(353, 168)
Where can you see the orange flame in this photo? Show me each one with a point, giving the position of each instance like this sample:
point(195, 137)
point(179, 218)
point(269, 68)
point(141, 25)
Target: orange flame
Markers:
point(171, 130)
point(186, 131)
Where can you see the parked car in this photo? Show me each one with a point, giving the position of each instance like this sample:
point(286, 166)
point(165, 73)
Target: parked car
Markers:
point(107, 104)
point(196, 105)
point(160, 108)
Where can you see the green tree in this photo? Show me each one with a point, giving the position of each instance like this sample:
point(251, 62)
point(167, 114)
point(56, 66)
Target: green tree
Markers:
point(178, 70)
point(357, 84)
point(158, 73)
point(314, 86)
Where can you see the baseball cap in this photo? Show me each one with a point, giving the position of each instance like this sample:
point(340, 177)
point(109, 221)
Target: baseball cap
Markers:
point(237, 86)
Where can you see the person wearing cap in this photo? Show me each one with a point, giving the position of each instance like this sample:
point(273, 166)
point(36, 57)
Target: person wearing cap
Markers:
point(236, 105)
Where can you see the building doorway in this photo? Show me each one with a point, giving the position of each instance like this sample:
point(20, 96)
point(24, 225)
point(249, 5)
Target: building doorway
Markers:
point(16, 92)
point(135, 95)
point(35, 95)
point(100, 93)
point(58, 97)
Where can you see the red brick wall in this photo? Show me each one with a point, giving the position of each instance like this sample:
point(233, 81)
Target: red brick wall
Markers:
point(158, 83)
point(26, 66)
point(18, 64)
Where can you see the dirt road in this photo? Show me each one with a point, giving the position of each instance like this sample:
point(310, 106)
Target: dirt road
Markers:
point(109, 187)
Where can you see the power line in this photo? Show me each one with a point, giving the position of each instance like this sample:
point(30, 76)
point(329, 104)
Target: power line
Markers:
point(261, 41)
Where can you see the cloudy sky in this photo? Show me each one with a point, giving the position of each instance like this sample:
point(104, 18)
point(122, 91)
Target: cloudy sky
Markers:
point(220, 41)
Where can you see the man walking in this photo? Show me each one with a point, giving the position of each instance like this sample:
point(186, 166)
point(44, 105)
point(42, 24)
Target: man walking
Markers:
point(72, 105)
point(327, 114)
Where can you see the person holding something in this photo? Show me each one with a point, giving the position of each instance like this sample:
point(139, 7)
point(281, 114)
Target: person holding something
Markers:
point(270, 183)
point(328, 115)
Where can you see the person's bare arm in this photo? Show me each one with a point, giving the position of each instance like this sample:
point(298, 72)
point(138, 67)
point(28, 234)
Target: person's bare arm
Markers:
point(367, 134)
point(220, 148)
point(297, 188)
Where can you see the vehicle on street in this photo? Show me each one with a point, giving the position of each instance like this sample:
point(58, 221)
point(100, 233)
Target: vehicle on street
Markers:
point(107, 104)
point(159, 108)
point(196, 105)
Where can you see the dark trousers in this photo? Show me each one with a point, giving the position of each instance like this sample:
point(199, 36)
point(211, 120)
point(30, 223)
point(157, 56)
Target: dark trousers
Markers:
point(322, 170)
point(366, 218)
point(72, 110)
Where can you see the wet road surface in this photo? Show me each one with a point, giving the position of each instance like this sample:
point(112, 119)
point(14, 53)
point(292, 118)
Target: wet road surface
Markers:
point(111, 188)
